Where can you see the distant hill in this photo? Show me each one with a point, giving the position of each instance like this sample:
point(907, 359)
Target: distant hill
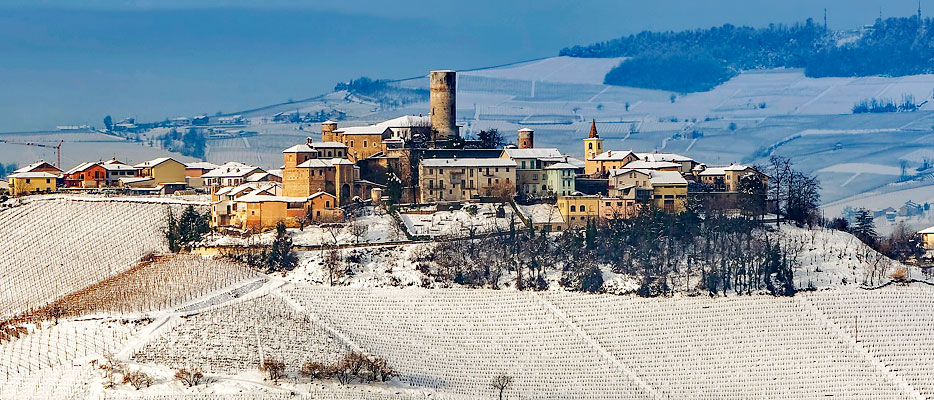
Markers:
point(698, 60)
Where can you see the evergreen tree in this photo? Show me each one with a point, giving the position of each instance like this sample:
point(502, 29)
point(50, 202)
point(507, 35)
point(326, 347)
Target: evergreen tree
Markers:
point(280, 256)
point(393, 187)
point(865, 227)
point(108, 123)
point(171, 232)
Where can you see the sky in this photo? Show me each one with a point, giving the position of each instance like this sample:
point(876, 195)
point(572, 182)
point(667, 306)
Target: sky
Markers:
point(65, 62)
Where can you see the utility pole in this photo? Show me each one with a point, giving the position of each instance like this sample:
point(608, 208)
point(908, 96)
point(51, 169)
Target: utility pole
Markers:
point(825, 20)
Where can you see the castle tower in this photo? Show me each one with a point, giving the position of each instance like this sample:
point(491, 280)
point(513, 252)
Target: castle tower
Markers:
point(526, 139)
point(593, 145)
point(443, 107)
point(327, 131)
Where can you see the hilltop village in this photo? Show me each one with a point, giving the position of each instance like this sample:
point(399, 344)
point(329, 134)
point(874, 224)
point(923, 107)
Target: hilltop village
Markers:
point(415, 159)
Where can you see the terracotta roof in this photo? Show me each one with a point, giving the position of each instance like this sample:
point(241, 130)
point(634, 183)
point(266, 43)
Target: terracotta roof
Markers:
point(593, 129)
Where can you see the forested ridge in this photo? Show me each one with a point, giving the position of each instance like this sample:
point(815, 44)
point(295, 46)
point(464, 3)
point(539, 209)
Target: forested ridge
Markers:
point(698, 60)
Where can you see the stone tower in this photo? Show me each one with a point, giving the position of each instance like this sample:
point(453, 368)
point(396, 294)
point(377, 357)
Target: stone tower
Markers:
point(526, 139)
point(327, 131)
point(442, 98)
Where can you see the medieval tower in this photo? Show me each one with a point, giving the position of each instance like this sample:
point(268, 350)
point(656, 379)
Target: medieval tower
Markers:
point(442, 99)
point(526, 138)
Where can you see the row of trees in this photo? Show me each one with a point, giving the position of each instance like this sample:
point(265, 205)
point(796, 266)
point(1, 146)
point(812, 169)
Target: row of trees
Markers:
point(383, 92)
point(891, 47)
point(662, 251)
point(875, 105)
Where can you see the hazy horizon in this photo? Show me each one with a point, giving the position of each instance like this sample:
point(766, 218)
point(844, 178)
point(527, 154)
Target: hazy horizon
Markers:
point(72, 64)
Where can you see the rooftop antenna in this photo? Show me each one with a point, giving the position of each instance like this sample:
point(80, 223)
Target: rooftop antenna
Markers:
point(919, 11)
point(825, 20)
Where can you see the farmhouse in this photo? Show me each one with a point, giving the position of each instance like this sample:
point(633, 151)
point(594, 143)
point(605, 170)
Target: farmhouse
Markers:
point(162, 170)
point(117, 170)
point(86, 175)
point(22, 183)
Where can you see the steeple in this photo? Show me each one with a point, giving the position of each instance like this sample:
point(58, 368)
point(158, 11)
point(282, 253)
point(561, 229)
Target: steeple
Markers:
point(593, 129)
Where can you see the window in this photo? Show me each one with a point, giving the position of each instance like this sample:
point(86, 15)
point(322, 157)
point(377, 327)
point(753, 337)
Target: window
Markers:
point(583, 208)
point(619, 204)
point(590, 146)
point(497, 169)
point(27, 180)
point(351, 143)
point(327, 204)
point(573, 208)
point(523, 164)
point(364, 143)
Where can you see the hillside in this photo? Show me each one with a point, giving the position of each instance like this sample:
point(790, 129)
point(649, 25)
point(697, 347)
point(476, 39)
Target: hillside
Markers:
point(698, 60)
point(217, 316)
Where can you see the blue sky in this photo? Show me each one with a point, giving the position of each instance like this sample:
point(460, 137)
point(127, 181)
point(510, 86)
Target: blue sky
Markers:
point(68, 62)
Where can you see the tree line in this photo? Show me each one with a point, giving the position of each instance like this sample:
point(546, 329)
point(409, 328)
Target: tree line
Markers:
point(697, 60)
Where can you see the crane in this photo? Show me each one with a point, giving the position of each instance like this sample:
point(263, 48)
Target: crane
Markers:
point(58, 149)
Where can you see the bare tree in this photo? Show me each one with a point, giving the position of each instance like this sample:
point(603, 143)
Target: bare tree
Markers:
point(501, 383)
point(138, 379)
point(273, 369)
point(358, 230)
point(332, 263)
point(189, 377)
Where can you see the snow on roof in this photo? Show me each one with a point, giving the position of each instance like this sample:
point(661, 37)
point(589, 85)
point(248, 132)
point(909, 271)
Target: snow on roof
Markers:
point(526, 130)
point(231, 169)
point(257, 177)
point(328, 145)
point(328, 122)
point(80, 167)
point(561, 165)
point(321, 194)
point(33, 166)
point(255, 197)
point(671, 157)
point(926, 231)
point(201, 165)
point(667, 178)
point(626, 170)
point(405, 121)
point(613, 155)
point(361, 130)
point(300, 148)
point(532, 153)
point(30, 174)
point(153, 163)
point(570, 160)
point(339, 161)
point(275, 172)
point(135, 179)
point(641, 164)
point(715, 171)
point(542, 213)
point(314, 163)
point(118, 166)
point(469, 162)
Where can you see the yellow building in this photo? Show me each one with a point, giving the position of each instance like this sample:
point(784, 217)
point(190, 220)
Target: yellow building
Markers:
point(727, 179)
point(668, 190)
point(23, 183)
point(162, 170)
point(304, 174)
point(577, 210)
point(459, 179)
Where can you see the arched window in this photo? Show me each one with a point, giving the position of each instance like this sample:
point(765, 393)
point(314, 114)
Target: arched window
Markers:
point(590, 146)
point(583, 208)
point(572, 208)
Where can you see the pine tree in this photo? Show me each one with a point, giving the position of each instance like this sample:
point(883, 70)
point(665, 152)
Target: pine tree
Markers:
point(865, 228)
point(280, 256)
point(171, 232)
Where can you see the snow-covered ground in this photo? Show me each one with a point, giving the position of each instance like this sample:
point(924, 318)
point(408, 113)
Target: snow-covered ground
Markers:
point(374, 226)
point(471, 218)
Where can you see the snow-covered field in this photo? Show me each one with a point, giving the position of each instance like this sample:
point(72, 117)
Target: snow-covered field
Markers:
point(74, 243)
point(445, 342)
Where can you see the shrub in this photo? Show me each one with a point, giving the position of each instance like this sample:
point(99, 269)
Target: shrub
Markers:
point(190, 377)
point(316, 370)
point(273, 369)
point(138, 379)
